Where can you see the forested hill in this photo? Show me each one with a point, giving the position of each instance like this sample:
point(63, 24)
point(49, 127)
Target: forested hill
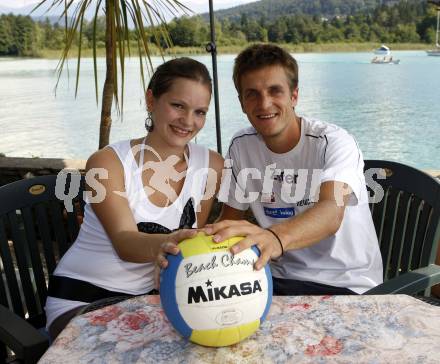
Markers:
point(316, 21)
point(273, 9)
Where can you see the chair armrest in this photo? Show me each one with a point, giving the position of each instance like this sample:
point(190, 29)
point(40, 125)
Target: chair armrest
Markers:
point(410, 282)
point(27, 343)
point(96, 305)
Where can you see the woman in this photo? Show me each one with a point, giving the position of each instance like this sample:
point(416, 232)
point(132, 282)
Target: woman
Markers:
point(156, 189)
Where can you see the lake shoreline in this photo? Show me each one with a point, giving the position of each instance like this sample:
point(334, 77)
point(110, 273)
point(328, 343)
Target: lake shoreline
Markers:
point(292, 48)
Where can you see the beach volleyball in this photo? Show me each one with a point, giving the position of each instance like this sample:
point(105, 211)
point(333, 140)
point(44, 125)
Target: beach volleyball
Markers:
point(214, 298)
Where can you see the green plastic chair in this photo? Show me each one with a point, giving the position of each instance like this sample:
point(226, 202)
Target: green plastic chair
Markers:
point(35, 231)
point(407, 222)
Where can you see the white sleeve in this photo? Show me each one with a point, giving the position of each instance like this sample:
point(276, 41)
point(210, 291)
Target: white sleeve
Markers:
point(229, 184)
point(343, 163)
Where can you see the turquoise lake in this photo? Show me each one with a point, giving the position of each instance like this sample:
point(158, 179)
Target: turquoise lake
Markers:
point(392, 110)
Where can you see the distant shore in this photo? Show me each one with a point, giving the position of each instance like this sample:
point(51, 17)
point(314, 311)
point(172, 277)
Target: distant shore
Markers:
point(293, 48)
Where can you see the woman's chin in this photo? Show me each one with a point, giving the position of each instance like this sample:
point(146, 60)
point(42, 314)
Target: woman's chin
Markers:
point(177, 142)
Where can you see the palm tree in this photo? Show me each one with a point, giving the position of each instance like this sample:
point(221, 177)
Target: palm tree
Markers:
point(117, 45)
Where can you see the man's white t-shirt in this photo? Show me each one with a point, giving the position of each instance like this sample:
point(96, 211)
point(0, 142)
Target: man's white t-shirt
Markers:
point(278, 187)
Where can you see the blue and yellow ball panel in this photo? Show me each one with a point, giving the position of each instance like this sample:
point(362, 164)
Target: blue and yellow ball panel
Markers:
point(211, 297)
point(168, 295)
point(269, 283)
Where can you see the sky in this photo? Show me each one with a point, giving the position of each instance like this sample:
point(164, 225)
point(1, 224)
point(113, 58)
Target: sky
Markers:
point(198, 6)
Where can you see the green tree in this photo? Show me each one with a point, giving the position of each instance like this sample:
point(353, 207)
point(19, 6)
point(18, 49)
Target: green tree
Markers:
point(230, 34)
point(98, 28)
point(277, 30)
point(407, 33)
point(331, 34)
point(52, 35)
point(292, 35)
point(6, 36)
point(244, 21)
point(365, 32)
point(189, 32)
point(255, 32)
point(24, 33)
point(430, 36)
point(426, 27)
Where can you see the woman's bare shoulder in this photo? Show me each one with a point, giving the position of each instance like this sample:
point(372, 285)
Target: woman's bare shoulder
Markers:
point(103, 158)
point(216, 161)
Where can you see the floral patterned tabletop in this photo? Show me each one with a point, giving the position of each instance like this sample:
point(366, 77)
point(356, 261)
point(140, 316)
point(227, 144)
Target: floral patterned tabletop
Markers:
point(303, 329)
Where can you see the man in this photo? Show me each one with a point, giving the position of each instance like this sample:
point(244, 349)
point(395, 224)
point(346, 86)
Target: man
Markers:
point(303, 180)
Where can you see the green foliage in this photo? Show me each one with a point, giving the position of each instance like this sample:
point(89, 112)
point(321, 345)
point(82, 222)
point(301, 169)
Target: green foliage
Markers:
point(254, 32)
point(323, 21)
point(278, 21)
point(18, 35)
point(53, 35)
point(189, 32)
point(22, 36)
point(6, 36)
point(273, 9)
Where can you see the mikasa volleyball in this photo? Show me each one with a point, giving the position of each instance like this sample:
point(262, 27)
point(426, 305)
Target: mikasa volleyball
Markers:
point(212, 297)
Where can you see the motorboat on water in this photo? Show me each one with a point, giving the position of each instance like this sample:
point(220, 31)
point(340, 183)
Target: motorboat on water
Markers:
point(383, 56)
point(385, 60)
point(436, 51)
point(383, 50)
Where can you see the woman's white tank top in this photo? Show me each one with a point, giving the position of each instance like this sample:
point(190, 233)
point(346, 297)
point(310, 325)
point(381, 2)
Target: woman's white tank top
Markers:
point(92, 257)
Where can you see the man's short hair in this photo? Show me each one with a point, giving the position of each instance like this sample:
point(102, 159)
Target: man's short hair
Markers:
point(258, 56)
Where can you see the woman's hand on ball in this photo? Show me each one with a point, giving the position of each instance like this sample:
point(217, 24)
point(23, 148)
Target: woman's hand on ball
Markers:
point(253, 235)
point(170, 245)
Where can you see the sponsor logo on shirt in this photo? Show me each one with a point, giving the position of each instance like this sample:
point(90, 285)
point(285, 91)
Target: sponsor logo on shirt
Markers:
point(280, 212)
point(280, 176)
point(305, 202)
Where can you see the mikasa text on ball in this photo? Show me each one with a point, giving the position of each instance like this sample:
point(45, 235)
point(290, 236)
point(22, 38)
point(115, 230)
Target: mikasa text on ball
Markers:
point(212, 297)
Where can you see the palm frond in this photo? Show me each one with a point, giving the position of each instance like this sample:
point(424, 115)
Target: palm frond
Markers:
point(124, 20)
point(95, 66)
point(121, 50)
point(173, 6)
point(55, 3)
point(149, 19)
point(82, 11)
point(159, 31)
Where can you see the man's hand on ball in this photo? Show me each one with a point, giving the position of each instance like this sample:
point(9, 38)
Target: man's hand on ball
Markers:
point(170, 245)
point(265, 241)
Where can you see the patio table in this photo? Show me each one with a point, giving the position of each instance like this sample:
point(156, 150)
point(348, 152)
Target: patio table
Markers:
point(301, 329)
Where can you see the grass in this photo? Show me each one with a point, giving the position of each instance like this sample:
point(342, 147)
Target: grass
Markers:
point(350, 47)
point(293, 48)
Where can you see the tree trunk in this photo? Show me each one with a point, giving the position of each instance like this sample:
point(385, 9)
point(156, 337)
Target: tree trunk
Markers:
point(107, 94)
